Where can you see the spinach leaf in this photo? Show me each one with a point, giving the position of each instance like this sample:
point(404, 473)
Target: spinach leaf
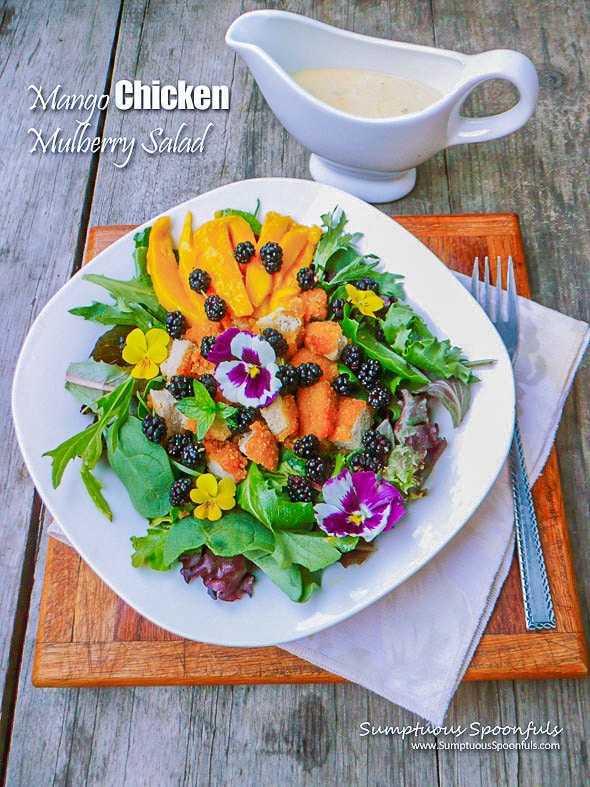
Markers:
point(108, 346)
point(257, 496)
point(236, 533)
point(143, 467)
point(288, 580)
point(149, 549)
point(312, 550)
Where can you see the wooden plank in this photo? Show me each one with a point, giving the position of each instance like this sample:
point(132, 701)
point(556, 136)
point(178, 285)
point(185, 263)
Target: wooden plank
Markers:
point(103, 623)
point(42, 212)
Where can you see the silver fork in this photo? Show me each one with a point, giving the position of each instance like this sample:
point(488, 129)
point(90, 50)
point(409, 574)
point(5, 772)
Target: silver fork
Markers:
point(538, 606)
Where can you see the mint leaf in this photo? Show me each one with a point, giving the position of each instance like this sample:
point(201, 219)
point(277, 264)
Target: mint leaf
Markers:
point(200, 408)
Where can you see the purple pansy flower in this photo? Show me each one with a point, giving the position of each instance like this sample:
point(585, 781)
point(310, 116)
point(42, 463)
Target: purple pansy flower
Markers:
point(246, 368)
point(358, 504)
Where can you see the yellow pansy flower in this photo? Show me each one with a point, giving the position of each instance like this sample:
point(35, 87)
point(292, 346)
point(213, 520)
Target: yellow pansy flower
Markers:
point(146, 351)
point(213, 496)
point(366, 301)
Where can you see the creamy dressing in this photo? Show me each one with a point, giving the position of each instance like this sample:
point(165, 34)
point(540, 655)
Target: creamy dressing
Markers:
point(369, 94)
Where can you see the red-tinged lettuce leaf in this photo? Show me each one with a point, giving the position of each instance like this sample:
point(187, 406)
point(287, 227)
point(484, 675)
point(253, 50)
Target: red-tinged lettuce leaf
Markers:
point(226, 578)
point(453, 394)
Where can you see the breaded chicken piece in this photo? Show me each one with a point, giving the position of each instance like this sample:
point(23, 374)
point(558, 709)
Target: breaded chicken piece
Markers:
point(281, 417)
point(352, 421)
point(224, 459)
point(260, 446)
point(305, 355)
point(318, 406)
point(325, 338)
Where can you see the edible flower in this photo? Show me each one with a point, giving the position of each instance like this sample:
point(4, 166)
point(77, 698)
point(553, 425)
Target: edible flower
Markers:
point(146, 351)
point(213, 496)
point(358, 504)
point(366, 301)
point(246, 368)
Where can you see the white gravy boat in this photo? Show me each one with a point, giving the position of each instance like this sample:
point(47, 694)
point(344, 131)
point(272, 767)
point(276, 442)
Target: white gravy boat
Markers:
point(374, 158)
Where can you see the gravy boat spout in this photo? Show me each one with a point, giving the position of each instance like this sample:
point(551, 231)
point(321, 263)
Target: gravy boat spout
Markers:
point(374, 158)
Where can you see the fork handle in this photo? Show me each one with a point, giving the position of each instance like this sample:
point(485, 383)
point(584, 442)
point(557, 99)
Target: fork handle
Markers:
point(538, 606)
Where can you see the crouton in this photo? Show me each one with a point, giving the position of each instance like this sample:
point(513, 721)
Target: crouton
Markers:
point(180, 349)
point(305, 355)
point(224, 459)
point(352, 421)
point(325, 338)
point(315, 304)
point(260, 446)
point(281, 417)
point(164, 404)
point(317, 406)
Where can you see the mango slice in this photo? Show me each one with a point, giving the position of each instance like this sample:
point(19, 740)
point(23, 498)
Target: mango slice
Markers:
point(214, 253)
point(164, 272)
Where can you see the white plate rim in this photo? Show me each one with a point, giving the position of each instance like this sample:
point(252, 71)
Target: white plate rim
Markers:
point(275, 633)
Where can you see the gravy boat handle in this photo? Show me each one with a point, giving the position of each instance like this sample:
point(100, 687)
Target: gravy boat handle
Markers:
point(496, 64)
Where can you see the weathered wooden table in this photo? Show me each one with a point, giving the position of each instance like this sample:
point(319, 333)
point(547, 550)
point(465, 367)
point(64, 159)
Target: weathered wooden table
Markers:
point(267, 734)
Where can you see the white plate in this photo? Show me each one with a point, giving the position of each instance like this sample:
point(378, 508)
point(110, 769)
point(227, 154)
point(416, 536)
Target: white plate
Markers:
point(45, 414)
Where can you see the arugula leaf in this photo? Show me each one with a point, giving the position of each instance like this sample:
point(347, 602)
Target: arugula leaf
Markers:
point(333, 240)
point(111, 409)
point(149, 549)
point(251, 218)
point(94, 487)
point(256, 495)
point(143, 467)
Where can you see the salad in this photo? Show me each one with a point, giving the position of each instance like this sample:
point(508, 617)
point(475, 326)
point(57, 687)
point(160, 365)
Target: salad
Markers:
point(264, 392)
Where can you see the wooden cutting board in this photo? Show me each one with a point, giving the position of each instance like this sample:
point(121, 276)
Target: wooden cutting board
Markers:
point(87, 636)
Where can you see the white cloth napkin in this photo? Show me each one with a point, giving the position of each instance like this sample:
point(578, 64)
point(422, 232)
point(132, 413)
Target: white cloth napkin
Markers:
point(414, 645)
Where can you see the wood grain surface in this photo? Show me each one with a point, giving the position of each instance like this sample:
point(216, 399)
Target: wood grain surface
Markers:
point(95, 639)
point(269, 734)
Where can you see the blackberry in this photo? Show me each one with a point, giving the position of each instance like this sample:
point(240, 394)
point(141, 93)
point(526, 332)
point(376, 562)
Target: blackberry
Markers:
point(353, 357)
point(154, 428)
point(342, 384)
point(180, 386)
point(289, 377)
point(210, 384)
point(271, 255)
point(299, 489)
point(176, 324)
point(306, 278)
point(337, 308)
point(215, 308)
point(207, 343)
point(318, 469)
point(367, 284)
point(242, 420)
point(244, 252)
point(199, 280)
point(369, 373)
point(309, 373)
point(307, 446)
point(276, 340)
point(176, 443)
point(366, 461)
point(376, 443)
point(192, 454)
point(379, 397)
point(180, 492)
